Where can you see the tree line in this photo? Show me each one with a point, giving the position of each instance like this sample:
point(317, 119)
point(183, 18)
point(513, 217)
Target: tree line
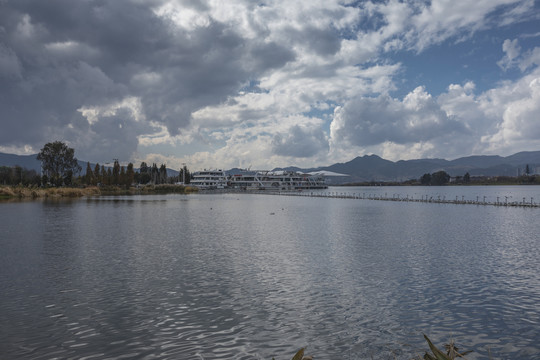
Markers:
point(126, 175)
point(60, 167)
point(15, 175)
point(439, 178)
point(442, 178)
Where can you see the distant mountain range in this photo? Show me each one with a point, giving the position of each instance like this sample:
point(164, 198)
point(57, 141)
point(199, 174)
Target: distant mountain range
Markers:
point(375, 168)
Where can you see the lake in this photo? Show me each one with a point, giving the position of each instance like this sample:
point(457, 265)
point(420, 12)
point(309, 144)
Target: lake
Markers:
point(252, 276)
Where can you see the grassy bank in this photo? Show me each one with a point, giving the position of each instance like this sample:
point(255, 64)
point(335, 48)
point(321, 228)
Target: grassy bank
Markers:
point(23, 192)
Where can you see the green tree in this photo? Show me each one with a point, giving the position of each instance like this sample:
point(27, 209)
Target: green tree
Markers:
point(184, 175)
point(68, 178)
point(145, 174)
point(440, 178)
point(104, 177)
point(425, 179)
point(162, 174)
point(116, 173)
point(97, 177)
point(155, 174)
point(467, 178)
point(89, 176)
point(188, 175)
point(143, 168)
point(17, 175)
point(527, 169)
point(130, 175)
point(123, 180)
point(4, 175)
point(58, 162)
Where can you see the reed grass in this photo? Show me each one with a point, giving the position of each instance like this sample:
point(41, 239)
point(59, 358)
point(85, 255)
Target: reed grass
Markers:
point(22, 192)
point(167, 189)
point(451, 352)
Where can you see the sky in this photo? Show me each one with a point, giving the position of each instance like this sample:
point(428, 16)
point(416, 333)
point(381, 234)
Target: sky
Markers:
point(265, 84)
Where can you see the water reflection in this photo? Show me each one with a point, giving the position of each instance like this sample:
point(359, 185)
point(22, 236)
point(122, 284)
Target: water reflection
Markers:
point(255, 276)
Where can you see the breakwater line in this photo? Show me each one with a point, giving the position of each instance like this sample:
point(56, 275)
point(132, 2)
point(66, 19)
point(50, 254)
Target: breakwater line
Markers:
point(458, 200)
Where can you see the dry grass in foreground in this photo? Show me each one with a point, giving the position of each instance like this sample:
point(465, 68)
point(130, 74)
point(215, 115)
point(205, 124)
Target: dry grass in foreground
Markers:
point(452, 352)
point(21, 192)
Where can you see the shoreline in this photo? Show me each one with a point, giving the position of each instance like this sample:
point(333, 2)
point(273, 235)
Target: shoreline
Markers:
point(8, 192)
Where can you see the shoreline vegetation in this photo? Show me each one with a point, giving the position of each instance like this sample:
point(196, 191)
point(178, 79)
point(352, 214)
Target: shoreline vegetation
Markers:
point(427, 180)
point(450, 352)
point(34, 192)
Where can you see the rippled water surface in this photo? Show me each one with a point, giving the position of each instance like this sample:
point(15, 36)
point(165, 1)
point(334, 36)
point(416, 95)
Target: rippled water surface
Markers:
point(238, 276)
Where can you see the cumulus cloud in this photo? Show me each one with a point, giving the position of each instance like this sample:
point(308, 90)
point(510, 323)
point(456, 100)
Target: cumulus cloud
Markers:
point(511, 50)
point(439, 20)
point(518, 126)
point(113, 136)
point(300, 142)
point(60, 57)
point(373, 121)
point(245, 82)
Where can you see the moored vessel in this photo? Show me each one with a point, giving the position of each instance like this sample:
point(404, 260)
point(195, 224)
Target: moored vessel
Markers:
point(209, 179)
point(276, 180)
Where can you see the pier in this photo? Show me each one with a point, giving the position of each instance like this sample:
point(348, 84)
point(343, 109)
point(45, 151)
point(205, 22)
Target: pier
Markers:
point(479, 201)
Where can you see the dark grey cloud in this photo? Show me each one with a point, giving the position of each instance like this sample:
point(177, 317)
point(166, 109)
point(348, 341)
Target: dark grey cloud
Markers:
point(114, 136)
point(57, 56)
point(300, 142)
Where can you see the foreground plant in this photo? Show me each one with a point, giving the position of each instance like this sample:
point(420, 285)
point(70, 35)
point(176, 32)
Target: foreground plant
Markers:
point(300, 355)
point(452, 352)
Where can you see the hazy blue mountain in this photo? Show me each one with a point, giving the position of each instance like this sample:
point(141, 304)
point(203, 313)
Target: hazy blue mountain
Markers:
point(524, 157)
point(374, 168)
point(25, 161)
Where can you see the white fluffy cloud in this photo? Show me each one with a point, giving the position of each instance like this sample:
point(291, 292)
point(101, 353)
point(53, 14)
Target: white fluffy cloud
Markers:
point(300, 142)
point(518, 127)
point(511, 52)
point(371, 121)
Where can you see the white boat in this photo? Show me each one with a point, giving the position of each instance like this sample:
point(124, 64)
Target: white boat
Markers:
point(276, 180)
point(209, 179)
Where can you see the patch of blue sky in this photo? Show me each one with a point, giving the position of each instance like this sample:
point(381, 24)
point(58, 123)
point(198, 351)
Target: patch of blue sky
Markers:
point(253, 87)
point(456, 62)
point(325, 112)
point(321, 109)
